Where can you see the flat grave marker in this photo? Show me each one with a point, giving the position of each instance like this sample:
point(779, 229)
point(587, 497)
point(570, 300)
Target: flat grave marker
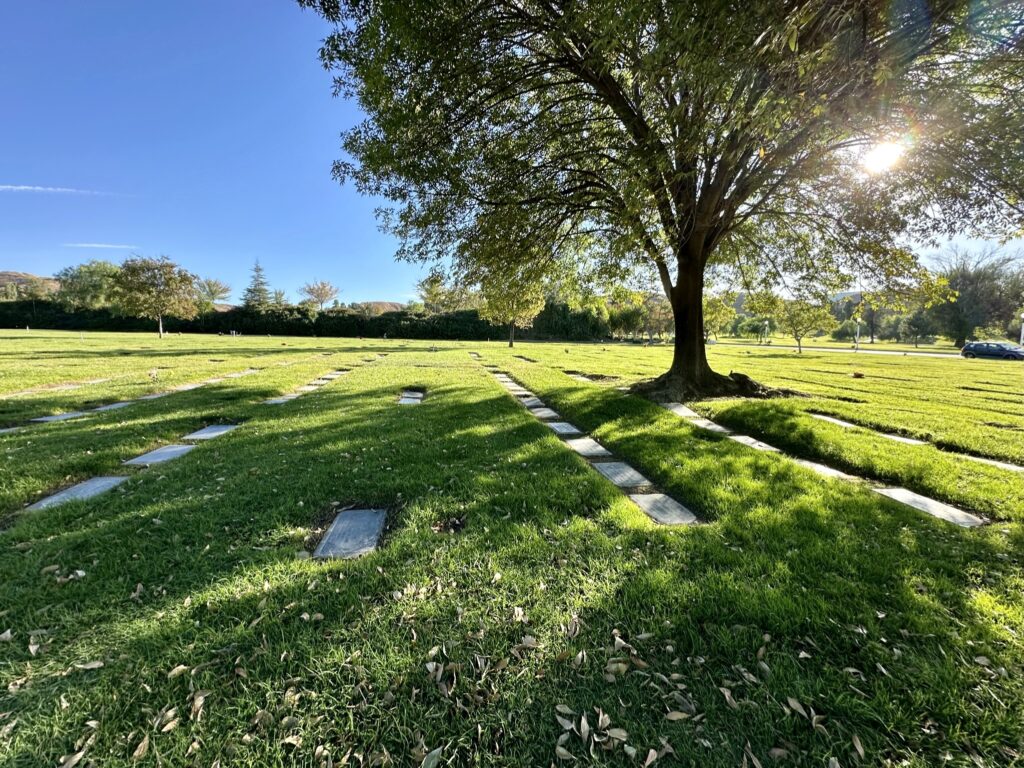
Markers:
point(84, 490)
point(991, 462)
point(681, 410)
point(833, 420)
point(58, 417)
point(621, 474)
point(160, 455)
point(354, 532)
point(545, 414)
point(902, 439)
point(931, 507)
point(212, 431)
point(710, 426)
point(824, 470)
point(532, 402)
point(563, 428)
point(112, 406)
point(663, 509)
point(751, 442)
point(588, 447)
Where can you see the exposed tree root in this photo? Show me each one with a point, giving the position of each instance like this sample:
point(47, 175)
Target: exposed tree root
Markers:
point(670, 387)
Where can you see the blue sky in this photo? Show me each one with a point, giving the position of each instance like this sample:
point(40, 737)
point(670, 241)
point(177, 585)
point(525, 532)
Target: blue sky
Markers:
point(204, 130)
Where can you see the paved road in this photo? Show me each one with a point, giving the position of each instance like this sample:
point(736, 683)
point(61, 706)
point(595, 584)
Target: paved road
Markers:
point(861, 351)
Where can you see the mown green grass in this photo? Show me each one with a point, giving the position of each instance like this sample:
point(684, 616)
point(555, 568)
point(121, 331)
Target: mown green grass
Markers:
point(895, 628)
point(37, 363)
point(941, 346)
point(975, 406)
point(991, 491)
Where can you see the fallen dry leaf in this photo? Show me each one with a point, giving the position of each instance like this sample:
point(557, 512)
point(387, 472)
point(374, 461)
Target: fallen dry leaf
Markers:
point(796, 706)
point(858, 746)
point(142, 749)
point(432, 758)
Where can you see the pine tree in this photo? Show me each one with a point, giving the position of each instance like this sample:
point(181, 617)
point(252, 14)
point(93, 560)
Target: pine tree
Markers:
point(257, 294)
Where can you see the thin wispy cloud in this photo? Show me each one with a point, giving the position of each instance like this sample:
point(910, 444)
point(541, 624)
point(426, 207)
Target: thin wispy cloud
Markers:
point(48, 190)
point(100, 245)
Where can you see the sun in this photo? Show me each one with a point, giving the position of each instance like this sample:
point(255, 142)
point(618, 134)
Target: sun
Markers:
point(882, 157)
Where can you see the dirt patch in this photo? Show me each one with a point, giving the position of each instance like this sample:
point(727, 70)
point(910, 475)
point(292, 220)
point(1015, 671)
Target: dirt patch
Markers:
point(593, 376)
point(449, 525)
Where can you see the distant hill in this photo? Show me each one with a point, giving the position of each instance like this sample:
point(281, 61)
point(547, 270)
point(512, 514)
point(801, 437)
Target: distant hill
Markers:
point(21, 278)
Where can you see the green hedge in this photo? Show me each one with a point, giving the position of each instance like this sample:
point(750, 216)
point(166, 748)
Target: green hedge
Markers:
point(556, 321)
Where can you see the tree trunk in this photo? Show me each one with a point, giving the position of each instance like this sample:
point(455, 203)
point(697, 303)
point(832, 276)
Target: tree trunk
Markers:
point(160, 325)
point(799, 346)
point(511, 335)
point(690, 377)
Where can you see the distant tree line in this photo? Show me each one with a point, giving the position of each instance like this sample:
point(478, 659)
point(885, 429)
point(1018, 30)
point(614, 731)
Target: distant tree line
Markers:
point(968, 296)
point(145, 292)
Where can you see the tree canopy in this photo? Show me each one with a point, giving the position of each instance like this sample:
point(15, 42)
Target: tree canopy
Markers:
point(87, 286)
point(676, 135)
point(155, 289)
point(319, 292)
point(210, 292)
point(257, 293)
point(512, 297)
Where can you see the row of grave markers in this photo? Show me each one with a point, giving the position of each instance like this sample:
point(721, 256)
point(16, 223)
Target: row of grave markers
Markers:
point(913, 441)
point(313, 386)
point(706, 424)
point(351, 534)
point(94, 486)
point(905, 496)
point(658, 506)
point(67, 416)
point(916, 501)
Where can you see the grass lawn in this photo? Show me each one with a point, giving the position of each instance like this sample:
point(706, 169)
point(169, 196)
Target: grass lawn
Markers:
point(943, 346)
point(520, 610)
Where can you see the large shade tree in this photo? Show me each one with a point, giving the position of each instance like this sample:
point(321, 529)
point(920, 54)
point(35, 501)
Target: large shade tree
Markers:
point(155, 289)
point(614, 134)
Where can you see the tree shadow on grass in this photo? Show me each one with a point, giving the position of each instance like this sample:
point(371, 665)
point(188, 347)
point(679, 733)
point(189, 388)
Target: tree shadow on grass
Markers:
point(45, 457)
point(836, 579)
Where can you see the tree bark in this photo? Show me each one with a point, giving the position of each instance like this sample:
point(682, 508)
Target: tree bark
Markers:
point(690, 377)
point(160, 325)
point(511, 335)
